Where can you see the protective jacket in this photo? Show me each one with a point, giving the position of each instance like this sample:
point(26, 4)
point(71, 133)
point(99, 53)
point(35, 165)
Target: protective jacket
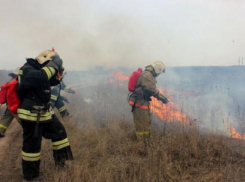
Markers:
point(35, 81)
point(145, 88)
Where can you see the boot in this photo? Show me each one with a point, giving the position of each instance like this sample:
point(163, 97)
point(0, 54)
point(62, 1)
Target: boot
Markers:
point(60, 164)
point(39, 178)
point(141, 145)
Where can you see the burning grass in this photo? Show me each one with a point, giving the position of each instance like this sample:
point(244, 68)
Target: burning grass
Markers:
point(177, 152)
point(168, 112)
point(102, 139)
point(109, 152)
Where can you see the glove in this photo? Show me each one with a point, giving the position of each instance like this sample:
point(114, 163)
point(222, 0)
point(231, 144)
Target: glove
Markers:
point(69, 90)
point(162, 98)
point(56, 63)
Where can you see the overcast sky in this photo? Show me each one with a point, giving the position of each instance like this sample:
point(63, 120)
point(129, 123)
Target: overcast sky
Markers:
point(131, 33)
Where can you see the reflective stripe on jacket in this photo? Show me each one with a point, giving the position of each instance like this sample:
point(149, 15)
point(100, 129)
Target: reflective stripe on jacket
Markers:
point(28, 115)
point(34, 90)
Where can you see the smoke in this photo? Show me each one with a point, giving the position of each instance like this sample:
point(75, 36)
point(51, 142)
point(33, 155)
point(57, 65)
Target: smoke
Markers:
point(127, 34)
point(210, 95)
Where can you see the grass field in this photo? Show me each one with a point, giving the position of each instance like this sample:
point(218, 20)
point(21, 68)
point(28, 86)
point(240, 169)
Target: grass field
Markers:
point(104, 145)
point(109, 152)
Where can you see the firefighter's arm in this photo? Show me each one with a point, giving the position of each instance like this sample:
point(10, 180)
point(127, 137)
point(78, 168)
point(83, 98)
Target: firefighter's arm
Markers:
point(149, 85)
point(34, 77)
point(162, 98)
point(56, 63)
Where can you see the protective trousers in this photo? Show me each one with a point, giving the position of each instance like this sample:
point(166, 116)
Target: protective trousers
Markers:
point(142, 122)
point(31, 150)
point(5, 121)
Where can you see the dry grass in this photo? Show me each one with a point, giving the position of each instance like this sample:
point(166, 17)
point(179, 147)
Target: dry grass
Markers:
point(110, 153)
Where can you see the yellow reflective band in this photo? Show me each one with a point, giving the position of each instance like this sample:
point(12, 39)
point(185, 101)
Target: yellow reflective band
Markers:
point(30, 118)
point(27, 112)
point(60, 144)
point(31, 156)
point(30, 159)
point(142, 133)
point(54, 97)
point(20, 72)
point(19, 79)
point(67, 88)
point(2, 126)
point(52, 70)
point(27, 115)
point(62, 108)
point(48, 72)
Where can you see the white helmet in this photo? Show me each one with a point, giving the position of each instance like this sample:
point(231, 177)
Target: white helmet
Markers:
point(159, 67)
point(45, 56)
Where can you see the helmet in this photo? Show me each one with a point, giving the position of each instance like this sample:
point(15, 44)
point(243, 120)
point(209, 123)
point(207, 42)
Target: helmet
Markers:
point(14, 73)
point(159, 67)
point(45, 56)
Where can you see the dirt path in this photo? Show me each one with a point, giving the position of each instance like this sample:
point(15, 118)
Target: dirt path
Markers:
point(10, 154)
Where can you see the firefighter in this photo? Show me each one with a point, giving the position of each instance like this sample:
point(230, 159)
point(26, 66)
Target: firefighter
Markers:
point(58, 101)
point(140, 101)
point(8, 116)
point(35, 80)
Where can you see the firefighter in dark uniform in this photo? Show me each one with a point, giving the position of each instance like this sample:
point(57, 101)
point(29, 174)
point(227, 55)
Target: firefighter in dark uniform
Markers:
point(58, 101)
point(35, 80)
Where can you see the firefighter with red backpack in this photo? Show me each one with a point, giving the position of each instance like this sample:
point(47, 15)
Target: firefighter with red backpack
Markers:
point(35, 112)
point(8, 116)
point(142, 86)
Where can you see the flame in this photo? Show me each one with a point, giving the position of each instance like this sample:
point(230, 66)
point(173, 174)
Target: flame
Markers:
point(167, 112)
point(236, 135)
point(171, 111)
point(120, 76)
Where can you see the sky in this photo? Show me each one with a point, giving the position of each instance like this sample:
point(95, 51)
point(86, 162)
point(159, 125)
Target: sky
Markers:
point(123, 33)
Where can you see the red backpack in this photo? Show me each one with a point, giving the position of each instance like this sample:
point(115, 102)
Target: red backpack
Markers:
point(3, 94)
point(133, 79)
point(8, 94)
